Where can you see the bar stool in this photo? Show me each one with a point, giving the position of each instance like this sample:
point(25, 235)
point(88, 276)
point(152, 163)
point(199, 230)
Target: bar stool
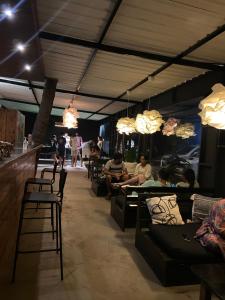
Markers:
point(50, 170)
point(43, 181)
point(43, 198)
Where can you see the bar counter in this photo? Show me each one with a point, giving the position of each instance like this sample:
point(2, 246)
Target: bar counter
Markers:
point(14, 171)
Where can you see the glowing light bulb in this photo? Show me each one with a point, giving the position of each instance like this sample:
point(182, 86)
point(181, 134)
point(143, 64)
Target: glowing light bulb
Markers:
point(8, 13)
point(20, 47)
point(27, 67)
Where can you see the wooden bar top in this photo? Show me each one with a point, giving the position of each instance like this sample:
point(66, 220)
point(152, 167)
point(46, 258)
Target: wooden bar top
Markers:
point(14, 172)
point(16, 154)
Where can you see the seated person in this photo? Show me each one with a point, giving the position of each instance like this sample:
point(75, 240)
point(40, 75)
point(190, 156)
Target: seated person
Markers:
point(163, 179)
point(115, 171)
point(95, 153)
point(141, 174)
point(188, 180)
point(211, 234)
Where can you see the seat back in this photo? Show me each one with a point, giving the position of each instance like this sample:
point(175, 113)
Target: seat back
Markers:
point(62, 181)
point(143, 215)
point(54, 171)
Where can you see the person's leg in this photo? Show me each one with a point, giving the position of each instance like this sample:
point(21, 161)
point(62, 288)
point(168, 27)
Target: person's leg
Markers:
point(81, 160)
point(75, 158)
point(130, 181)
point(109, 187)
point(141, 179)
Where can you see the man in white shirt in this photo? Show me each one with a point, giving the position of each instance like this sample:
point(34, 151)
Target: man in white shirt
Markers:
point(115, 171)
point(67, 146)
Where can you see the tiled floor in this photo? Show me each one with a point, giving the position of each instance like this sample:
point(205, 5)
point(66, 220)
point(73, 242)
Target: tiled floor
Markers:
point(100, 261)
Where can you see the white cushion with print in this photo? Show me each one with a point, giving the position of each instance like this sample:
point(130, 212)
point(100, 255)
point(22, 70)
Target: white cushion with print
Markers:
point(164, 210)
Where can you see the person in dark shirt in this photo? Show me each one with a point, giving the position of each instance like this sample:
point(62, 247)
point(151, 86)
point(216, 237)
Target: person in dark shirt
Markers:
point(54, 146)
point(61, 149)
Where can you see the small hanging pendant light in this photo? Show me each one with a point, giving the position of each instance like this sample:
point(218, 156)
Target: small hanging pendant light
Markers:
point(149, 122)
point(170, 126)
point(185, 130)
point(70, 116)
point(213, 108)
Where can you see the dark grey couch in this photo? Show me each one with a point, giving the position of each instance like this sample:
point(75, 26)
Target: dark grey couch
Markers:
point(170, 250)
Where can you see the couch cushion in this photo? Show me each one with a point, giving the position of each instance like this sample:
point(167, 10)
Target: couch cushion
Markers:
point(130, 166)
point(178, 242)
point(201, 206)
point(164, 210)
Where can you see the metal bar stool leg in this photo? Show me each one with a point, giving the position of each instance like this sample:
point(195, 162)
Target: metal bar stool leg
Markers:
point(57, 229)
point(52, 220)
point(17, 241)
point(60, 239)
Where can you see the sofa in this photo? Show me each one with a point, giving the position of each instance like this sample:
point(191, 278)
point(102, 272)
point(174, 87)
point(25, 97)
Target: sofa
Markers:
point(170, 250)
point(124, 205)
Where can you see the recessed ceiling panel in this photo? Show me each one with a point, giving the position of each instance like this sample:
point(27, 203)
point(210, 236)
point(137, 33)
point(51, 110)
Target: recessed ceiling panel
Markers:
point(112, 74)
point(164, 26)
point(97, 117)
point(16, 92)
point(115, 107)
point(169, 78)
point(76, 18)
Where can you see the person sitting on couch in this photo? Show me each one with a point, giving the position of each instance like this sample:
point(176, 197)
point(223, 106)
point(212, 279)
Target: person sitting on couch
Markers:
point(163, 179)
point(141, 174)
point(188, 179)
point(115, 171)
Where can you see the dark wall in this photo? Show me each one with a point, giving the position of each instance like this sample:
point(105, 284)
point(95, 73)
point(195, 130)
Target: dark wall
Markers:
point(87, 129)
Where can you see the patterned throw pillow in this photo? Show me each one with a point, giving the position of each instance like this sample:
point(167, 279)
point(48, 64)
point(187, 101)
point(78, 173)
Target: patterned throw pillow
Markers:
point(201, 207)
point(164, 210)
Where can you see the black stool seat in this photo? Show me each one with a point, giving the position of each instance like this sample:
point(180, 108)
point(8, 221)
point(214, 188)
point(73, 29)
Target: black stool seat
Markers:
point(50, 170)
point(37, 197)
point(41, 181)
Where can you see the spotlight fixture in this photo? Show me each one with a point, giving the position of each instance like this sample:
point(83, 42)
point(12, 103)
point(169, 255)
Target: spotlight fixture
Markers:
point(8, 12)
point(20, 47)
point(27, 67)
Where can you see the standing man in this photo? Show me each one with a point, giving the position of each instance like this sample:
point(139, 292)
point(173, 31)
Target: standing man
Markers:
point(79, 142)
point(67, 137)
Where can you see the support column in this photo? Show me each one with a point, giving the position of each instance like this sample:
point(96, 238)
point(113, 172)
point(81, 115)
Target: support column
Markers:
point(42, 119)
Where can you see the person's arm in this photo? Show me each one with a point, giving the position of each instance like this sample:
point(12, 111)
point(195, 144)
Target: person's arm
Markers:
point(124, 169)
point(107, 169)
point(136, 170)
point(148, 171)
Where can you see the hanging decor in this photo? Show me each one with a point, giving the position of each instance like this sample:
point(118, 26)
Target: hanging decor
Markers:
point(126, 125)
point(213, 108)
point(170, 126)
point(149, 122)
point(70, 116)
point(185, 130)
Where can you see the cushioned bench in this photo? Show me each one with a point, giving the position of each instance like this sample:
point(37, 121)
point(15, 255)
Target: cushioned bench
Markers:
point(178, 241)
point(124, 206)
point(170, 250)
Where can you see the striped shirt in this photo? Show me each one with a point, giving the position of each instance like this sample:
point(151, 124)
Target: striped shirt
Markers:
point(113, 168)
